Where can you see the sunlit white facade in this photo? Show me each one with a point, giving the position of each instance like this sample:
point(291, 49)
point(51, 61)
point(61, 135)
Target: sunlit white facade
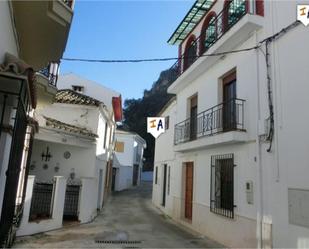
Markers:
point(240, 133)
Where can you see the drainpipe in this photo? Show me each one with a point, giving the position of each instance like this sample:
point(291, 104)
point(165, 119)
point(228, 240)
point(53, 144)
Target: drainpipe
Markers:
point(259, 171)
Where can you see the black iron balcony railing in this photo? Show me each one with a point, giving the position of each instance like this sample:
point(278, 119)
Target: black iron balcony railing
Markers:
point(68, 3)
point(231, 13)
point(227, 116)
point(51, 72)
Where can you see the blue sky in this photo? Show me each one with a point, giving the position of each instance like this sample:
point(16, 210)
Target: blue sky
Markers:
point(123, 30)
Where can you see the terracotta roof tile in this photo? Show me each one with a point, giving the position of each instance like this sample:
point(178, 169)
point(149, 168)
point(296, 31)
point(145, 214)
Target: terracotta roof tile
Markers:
point(68, 96)
point(50, 122)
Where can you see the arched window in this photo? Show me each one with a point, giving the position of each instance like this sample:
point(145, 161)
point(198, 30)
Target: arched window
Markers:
point(190, 52)
point(233, 10)
point(209, 32)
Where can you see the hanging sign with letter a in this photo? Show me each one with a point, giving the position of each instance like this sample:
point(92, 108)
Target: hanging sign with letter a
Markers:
point(303, 14)
point(155, 126)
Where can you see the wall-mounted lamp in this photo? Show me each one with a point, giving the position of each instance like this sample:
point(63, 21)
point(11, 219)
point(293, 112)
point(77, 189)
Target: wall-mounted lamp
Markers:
point(46, 155)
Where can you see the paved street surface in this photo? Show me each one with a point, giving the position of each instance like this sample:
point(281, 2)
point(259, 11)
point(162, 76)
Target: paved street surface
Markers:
point(128, 221)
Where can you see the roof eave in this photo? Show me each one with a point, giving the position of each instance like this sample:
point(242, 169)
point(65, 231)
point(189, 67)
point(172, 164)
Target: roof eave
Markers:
point(178, 40)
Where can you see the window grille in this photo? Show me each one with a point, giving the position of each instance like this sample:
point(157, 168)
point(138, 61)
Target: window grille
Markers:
point(41, 202)
point(222, 185)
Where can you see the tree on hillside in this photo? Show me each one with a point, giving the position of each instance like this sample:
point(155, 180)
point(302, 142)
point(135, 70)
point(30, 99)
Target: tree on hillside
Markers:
point(136, 111)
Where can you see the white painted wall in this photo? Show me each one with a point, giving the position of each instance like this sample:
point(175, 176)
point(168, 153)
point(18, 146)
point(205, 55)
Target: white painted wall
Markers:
point(88, 155)
point(124, 178)
point(240, 231)
point(124, 161)
point(126, 157)
point(165, 142)
point(95, 119)
point(93, 89)
point(88, 199)
point(164, 154)
point(286, 167)
point(28, 228)
point(272, 173)
point(81, 162)
point(79, 115)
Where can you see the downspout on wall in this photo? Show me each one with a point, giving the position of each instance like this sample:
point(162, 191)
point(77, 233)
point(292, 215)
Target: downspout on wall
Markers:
point(259, 157)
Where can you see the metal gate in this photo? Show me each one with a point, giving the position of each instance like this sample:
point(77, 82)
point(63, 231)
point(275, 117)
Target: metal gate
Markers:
point(71, 202)
point(41, 201)
point(17, 103)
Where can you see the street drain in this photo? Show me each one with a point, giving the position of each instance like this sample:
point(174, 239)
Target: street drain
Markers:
point(118, 242)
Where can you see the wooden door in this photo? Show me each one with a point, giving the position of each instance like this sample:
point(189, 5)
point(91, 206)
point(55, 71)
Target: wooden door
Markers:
point(189, 190)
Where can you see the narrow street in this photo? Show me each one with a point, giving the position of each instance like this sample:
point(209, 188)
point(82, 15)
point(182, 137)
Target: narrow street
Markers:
point(128, 219)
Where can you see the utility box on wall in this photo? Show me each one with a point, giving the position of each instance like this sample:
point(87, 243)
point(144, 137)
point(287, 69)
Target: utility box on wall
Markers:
point(298, 207)
point(249, 192)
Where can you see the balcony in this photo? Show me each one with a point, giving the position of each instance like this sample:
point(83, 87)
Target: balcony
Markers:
point(51, 73)
point(68, 3)
point(46, 80)
point(42, 28)
point(226, 30)
point(226, 118)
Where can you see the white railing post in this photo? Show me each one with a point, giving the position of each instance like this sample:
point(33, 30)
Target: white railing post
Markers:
point(27, 203)
point(58, 198)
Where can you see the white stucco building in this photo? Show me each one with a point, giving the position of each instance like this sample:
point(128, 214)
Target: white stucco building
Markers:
point(22, 54)
point(128, 160)
point(164, 171)
point(74, 142)
point(239, 174)
point(111, 98)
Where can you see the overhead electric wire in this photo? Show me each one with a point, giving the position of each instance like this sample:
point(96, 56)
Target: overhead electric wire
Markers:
point(270, 38)
point(158, 59)
point(267, 42)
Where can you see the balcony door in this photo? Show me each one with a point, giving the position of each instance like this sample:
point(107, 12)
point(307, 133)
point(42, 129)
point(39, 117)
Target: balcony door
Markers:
point(229, 105)
point(193, 117)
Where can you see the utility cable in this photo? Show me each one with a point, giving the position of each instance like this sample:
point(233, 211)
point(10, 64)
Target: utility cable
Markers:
point(159, 59)
point(267, 42)
point(270, 38)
